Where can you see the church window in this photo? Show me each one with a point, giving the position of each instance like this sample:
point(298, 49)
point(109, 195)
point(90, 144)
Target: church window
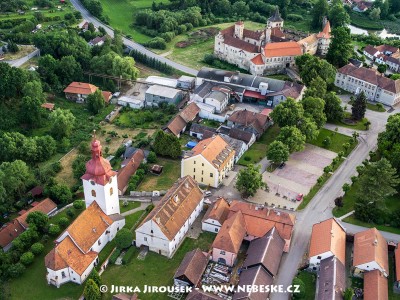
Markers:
point(93, 193)
point(110, 180)
point(98, 242)
point(63, 274)
point(111, 191)
point(92, 182)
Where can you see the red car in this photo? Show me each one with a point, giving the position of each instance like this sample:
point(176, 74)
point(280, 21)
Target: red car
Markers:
point(299, 197)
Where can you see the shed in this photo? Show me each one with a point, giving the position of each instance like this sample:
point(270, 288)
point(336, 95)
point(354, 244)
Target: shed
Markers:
point(186, 82)
point(157, 169)
point(191, 268)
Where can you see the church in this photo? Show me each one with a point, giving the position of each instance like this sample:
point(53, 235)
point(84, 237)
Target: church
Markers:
point(76, 250)
point(268, 50)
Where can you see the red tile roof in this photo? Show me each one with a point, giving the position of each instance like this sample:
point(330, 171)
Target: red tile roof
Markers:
point(282, 49)
point(9, 232)
point(249, 118)
point(218, 211)
point(190, 112)
point(231, 234)
point(384, 48)
point(326, 32)
point(192, 266)
point(375, 286)
point(49, 106)
point(240, 44)
point(257, 60)
point(251, 34)
point(36, 191)
point(80, 88)
point(126, 172)
point(176, 125)
point(46, 206)
point(107, 96)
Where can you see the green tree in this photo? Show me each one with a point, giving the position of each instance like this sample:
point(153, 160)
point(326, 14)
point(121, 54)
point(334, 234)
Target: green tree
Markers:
point(68, 70)
point(95, 102)
point(152, 157)
point(346, 187)
point(382, 68)
point(338, 16)
point(123, 238)
point(292, 137)
point(60, 193)
point(278, 152)
point(62, 123)
point(314, 109)
point(39, 219)
point(395, 76)
point(378, 181)
point(310, 67)
point(115, 65)
point(359, 106)
point(320, 9)
point(302, 289)
point(63, 222)
point(349, 292)
point(287, 113)
point(167, 144)
point(375, 14)
point(249, 181)
point(79, 166)
point(94, 275)
point(341, 48)
point(54, 230)
point(309, 128)
point(27, 258)
point(317, 88)
point(91, 291)
point(37, 248)
point(333, 108)
point(394, 6)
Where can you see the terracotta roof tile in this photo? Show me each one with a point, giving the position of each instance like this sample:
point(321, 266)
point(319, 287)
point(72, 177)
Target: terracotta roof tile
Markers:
point(49, 106)
point(215, 150)
point(231, 234)
point(126, 172)
point(175, 207)
point(190, 112)
point(106, 95)
point(388, 48)
point(328, 236)
point(9, 232)
point(80, 88)
point(370, 245)
point(218, 211)
point(240, 44)
point(67, 254)
point(46, 206)
point(192, 266)
point(250, 119)
point(397, 258)
point(89, 226)
point(251, 34)
point(257, 60)
point(277, 33)
point(311, 39)
point(375, 286)
point(326, 32)
point(176, 125)
point(282, 49)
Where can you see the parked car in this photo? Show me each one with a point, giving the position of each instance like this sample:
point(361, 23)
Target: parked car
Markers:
point(282, 165)
point(299, 197)
point(207, 193)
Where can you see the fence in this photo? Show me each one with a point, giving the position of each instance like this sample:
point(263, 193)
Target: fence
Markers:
point(147, 194)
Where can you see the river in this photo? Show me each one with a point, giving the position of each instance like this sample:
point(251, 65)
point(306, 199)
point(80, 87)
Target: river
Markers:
point(382, 34)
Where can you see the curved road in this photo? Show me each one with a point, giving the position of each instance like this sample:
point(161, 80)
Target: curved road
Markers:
point(130, 44)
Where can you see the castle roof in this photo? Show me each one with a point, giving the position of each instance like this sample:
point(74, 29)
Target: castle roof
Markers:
point(276, 17)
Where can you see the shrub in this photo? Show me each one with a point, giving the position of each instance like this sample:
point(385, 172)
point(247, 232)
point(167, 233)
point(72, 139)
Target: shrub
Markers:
point(37, 248)
point(45, 238)
point(114, 256)
point(63, 222)
point(247, 158)
point(27, 258)
point(157, 43)
point(16, 270)
point(152, 157)
point(79, 204)
point(70, 213)
point(294, 17)
point(56, 166)
point(128, 255)
point(54, 230)
point(123, 238)
point(149, 208)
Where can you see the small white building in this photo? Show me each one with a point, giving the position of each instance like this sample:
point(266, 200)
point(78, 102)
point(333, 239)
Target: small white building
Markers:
point(164, 229)
point(186, 82)
point(130, 101)
point(157, 94)
point(215, 216)
point(165, 81)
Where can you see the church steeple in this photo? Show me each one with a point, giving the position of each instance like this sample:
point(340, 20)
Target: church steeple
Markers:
point(275, 20)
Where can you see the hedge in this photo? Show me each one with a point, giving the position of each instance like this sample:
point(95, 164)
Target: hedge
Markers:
point(128, 255)
point(114, 256)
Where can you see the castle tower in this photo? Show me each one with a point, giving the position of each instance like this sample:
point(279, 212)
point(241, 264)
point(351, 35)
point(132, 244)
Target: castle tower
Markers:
point(268, 31)
point(100, 181)
point(275, 20)
point(239, 26)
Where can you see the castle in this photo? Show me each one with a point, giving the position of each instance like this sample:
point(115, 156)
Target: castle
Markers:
point(267, 51)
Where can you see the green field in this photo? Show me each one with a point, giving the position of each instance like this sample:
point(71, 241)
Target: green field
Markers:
point(337, 140)
point(131, 205)
point(170, 174)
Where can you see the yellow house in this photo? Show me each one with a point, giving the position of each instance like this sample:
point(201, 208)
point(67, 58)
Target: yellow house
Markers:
point(209, 162)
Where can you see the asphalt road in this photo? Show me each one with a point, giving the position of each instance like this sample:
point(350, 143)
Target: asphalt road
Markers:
point(130, 44)
point(19, 62)
point(320, 208)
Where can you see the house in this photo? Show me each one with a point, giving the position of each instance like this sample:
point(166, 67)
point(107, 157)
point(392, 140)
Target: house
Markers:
point(163, 81)
point(186, 82)
point(8, 233)
point(191, 269)
point(247, 137)
point(397, 266)
point(331, 281)
point(130, 101)
point(375, 86)
point(98, 41)
point(48, 106)
point(371, 52)
point(79, 91)
point(37, 191)
point(165, 227)
point(128, 170)
point(209, 161)
point(190, 112)
point(47, 206)
point(201, 132)
point(375, 286)
point(249, 121)
point(328, 238)
point(268, 50)
point(256, 277)
point(228, 241)
point(362, 6)
point(157, 94)
point(215, 216)
point(259, 221)
point(218, 99)
point(266, 252)
point(76, 250)
point(176, 126)
point(239, 146)
point(370, 252)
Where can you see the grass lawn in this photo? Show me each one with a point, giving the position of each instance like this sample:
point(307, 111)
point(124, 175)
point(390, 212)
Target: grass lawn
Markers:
point(309, 282)
point(170, 173)
point(391, 279)
point(23, 51)
point(375, 107)
point(361, 20)
point(337, 140)
point(155, 269)
point(143, 119)
point(353, 220)
point(259, 149)
point(130, 205)
point(132, 219)
point(357, 126)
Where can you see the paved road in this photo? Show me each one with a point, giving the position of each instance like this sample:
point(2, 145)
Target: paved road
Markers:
point(19, 62)
point(130, 44)
point(320, 208)
point(390, 237)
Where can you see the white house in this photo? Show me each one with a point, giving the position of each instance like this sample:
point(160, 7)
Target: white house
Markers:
point(218, 98)
point(77, 248)
point(239, 146)
point(328, 239)
point(215, 216)
point(370, 252)
point(163, 230)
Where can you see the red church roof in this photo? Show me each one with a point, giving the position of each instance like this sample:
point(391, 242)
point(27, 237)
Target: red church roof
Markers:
point(98, 168)
point(326, 32)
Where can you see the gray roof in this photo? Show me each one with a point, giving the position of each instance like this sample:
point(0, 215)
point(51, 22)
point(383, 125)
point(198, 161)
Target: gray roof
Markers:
point(254, 276)
point(331, 279)
point(276, 17)
point(198, 128)
point(217, 95)
point(237, 145)
point(266, 251)
point(240, 134)
point(162, 91)
point(203, 89)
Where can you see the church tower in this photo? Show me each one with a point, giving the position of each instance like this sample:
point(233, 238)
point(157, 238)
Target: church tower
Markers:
point(275, 20)
point(239, 26)
point(100, 181)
